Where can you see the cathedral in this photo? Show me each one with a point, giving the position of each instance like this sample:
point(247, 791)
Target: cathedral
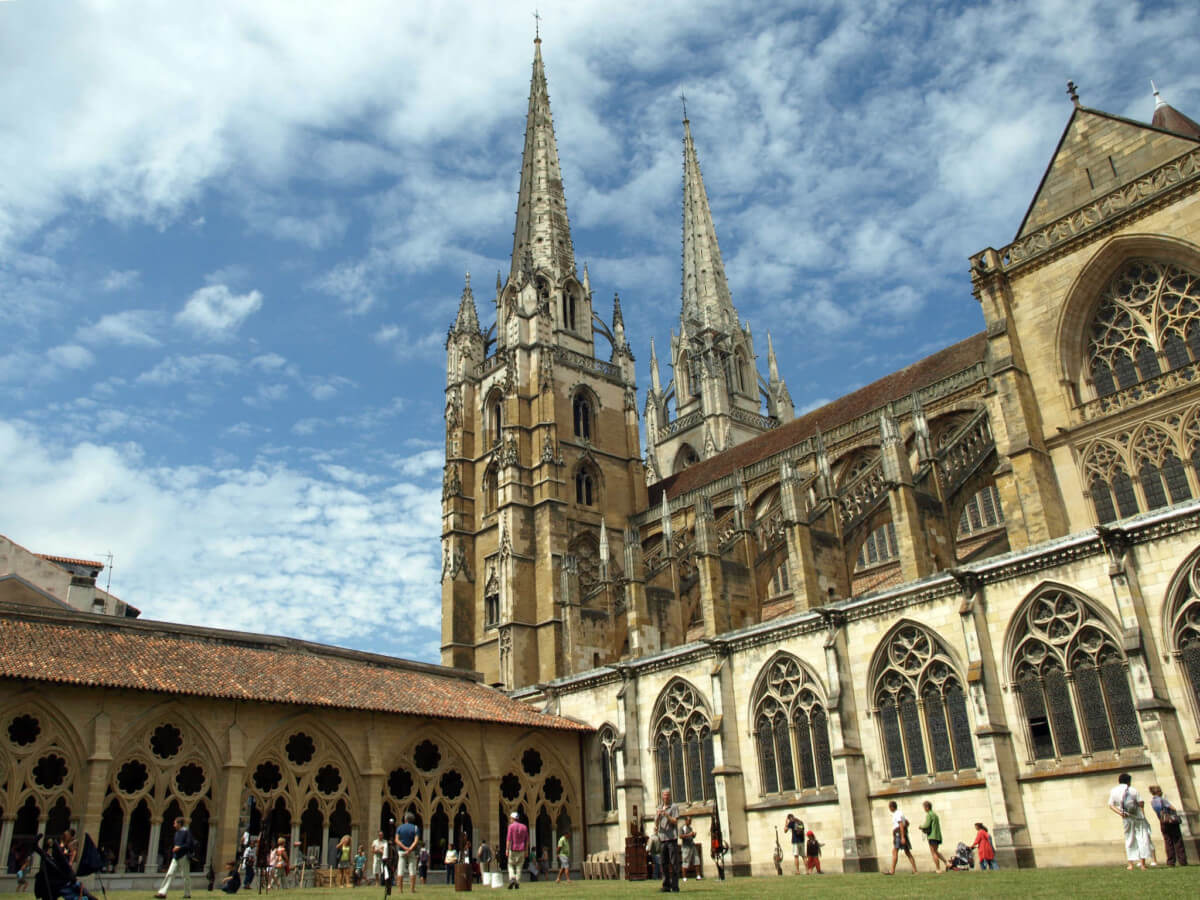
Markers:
point(974, 582)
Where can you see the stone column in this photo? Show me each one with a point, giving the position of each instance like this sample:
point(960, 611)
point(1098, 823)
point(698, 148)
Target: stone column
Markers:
point(644, 638)
point(1029, 492)
point(1165, 742)
point(727, 763)
point(996, 753)
point(714, 605)
point(802, 561)
point(227, 794)
point(6, 836)
point(916, 560)
point(153, 846)
point(849, 763)
point(631, 790)
point(98, 765)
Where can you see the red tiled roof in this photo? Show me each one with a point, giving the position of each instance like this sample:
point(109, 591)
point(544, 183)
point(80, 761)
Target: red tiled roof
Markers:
point(68, 561)
point(98, 651)
point(891, 387)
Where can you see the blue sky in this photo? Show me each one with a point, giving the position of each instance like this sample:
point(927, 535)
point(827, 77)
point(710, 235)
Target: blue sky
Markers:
point(233, 235)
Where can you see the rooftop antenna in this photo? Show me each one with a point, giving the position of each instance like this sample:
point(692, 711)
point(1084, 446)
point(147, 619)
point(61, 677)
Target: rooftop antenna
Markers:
point(108, 578)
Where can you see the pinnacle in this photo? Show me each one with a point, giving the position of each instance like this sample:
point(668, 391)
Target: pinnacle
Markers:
point(705, 290)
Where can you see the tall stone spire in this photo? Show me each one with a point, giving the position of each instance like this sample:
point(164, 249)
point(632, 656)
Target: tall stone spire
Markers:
point(706, 296)
point(655, 379)
point(543, 236)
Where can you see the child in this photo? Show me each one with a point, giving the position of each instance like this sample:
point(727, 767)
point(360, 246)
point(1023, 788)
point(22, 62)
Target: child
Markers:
point(812, 855)
point(987, 853)
point(360, 863)
point(21, 857)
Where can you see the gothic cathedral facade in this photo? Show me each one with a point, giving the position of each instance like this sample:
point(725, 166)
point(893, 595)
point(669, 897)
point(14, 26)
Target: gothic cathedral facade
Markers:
point(975, 581)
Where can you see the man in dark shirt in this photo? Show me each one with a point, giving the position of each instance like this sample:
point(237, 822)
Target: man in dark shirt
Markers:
point(407, 836)
point(181, 861)
point(232, 882)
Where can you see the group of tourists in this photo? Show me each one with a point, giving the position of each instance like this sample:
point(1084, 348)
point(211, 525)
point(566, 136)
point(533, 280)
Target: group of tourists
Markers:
point(674, 848)
point(1127, 802)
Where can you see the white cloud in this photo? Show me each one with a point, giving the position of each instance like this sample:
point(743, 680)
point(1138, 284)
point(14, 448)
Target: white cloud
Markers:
point(265, 395)
point(182, 369)
point(119, 281)
point(131, 328)
point(71, 356)
point(217, 312)
point(267, 539)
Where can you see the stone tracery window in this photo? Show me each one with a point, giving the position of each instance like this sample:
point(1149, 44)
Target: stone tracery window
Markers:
point(1183, 625)
point(1148, 320)
point(791, 729)
point(607, 739)
point(879, 547)
point(1072, 679)
point(683, 744)
point(1144, 469)
point(921, 705)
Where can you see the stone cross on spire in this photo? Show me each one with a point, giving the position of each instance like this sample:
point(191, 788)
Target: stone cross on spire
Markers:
point(706, 296)
point(542, 239)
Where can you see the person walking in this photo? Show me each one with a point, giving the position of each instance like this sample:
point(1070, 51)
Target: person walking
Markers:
point(564, 859)
point(795, 828)
point(932, 827)
point(181, 860)
point(666, 823)
point(987, 850)
point(516, 844)
point(1126, 802)
point(341, 860)
point(1168, 825)
point(900, 839)
point(484, 858)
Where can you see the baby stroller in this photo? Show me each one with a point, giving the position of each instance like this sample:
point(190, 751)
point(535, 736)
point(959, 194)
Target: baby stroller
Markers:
point(961, 861)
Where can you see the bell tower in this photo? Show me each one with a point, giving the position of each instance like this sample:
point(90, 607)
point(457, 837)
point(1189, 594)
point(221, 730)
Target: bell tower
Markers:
point(716, 389)
point(543, 466)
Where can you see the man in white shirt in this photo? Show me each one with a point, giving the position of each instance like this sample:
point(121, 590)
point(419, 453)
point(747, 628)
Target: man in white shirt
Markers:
point(1126, 802)
point(378, 849)
point(900, 839)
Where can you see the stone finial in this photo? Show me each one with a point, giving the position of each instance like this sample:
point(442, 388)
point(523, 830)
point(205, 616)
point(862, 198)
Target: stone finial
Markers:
point(655, 379)
point(1073, 93)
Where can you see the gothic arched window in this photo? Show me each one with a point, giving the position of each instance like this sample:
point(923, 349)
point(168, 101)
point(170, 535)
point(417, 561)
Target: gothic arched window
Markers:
point(581, 409)
point(879, 547)
point(585, 486)
point(741, 372)
point(568, 310)
point(981, 512)
point(791, 729)
point(1148, 319)
point(1183, 625)
point(683, 744)
point(1159, 469)
point(1070, 672)
point(491, 490)
point(1109, 483)
point(921, 705)
point(608, 768)
point(494, 417)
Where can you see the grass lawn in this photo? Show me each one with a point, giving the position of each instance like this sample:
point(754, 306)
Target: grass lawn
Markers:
point(1113, 881)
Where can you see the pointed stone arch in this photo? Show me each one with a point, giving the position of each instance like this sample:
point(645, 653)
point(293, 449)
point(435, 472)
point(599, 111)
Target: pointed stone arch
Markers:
point(44, 756)
point(788, 716)
point(680, 733)
point(1181, 626)
point(918, 700)
point(1064, 660)
point(1086, 293)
